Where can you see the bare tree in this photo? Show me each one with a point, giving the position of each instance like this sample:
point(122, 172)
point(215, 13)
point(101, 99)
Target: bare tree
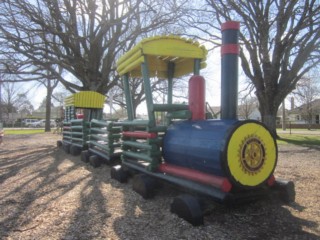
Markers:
point(247, 106)
point(59, 96)
point(280, 42)
point(23, 104)
point(9, 96)
point(159, 90)
point(307, 91)
point(82, 37)
point(13, 100)
point(23, 70)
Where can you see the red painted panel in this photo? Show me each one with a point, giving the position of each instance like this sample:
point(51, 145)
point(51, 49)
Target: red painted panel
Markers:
point(230, 25)
point(197, 97)
point(139, 134)
point(230, 49)
point(218, 182)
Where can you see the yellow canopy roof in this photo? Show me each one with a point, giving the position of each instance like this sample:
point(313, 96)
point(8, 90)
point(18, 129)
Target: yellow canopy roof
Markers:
point(159, 51)
point(85, 99)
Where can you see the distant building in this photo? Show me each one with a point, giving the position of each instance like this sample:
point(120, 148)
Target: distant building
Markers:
point(253, 113)
point(12, 118)
point(56, 113)
point(306, 113)
point(249, 112)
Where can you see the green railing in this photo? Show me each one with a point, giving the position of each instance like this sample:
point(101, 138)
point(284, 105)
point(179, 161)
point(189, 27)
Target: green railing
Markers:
point(75, 132)
point(104, 138)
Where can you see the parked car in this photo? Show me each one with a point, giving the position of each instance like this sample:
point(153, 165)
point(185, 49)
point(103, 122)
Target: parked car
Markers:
point(30, 122)
point(42, 123)
point(36, 124)
point(53, 123)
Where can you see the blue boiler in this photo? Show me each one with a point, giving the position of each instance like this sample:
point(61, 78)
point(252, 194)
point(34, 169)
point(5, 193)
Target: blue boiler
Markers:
point(242, 151)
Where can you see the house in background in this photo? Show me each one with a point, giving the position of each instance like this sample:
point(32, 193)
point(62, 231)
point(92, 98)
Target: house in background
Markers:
point(251, 111)
point(308, 113)
point(243, 112)
point(246, 112)
point(9, 119)
point(40, 113)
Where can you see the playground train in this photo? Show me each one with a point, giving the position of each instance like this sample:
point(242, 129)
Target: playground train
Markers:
point(225, 160)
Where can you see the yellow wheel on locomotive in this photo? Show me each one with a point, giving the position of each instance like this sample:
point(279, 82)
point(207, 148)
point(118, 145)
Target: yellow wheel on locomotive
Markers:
point(251, 154)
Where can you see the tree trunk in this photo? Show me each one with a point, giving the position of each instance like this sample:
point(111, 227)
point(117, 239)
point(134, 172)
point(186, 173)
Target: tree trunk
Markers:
point(48, 108)
point(269, 118)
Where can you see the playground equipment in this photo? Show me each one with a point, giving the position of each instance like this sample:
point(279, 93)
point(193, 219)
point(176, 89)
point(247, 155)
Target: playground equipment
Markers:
point(164, 57)
point(104, 143)
point(85, 132)
point(225, 160)
point(80, 108)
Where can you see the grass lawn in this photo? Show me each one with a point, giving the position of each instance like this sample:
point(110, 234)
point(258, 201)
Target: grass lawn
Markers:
point(9, 131)
point(299, 139)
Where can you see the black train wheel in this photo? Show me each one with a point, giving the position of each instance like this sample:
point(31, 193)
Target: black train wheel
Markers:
point(75, 150)
point(66, 147)
point(144, 185)
point(118, 173)
point(188, 207)
point(286, 191)
point(85, 156)
point(95, 161)
point(59, 143)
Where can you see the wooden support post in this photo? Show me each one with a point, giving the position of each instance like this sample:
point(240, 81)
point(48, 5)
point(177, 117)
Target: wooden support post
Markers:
point(171, 67)
point(126, 85)
point(197, 66)
point(148, 92)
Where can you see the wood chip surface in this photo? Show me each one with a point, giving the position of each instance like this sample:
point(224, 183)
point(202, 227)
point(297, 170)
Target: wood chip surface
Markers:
point(48, 194)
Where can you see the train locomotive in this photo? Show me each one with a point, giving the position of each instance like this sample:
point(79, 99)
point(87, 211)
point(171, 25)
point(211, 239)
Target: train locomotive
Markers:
point(226, 160)
point(240, 154)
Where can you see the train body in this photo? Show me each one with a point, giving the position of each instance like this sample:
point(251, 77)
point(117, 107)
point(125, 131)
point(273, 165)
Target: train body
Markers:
point(225, 160)
point(243, 152)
